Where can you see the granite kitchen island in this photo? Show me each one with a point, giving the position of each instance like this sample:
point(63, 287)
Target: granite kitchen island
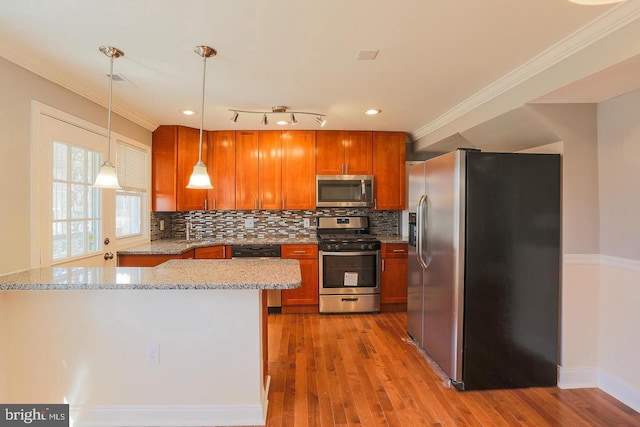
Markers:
point(181, 344)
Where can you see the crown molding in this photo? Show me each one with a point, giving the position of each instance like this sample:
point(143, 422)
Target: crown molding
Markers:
point(78, 87)
point(609, 22)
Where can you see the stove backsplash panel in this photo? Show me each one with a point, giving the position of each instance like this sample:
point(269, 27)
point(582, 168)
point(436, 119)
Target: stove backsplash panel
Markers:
point(266, 224)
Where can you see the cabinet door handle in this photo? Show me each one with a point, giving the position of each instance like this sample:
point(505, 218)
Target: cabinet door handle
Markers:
point(283, 203)
point(214, 204)
point(299, 252)
point(205, 204)
point(382, 265)
point(342, 169)
point(399, 250)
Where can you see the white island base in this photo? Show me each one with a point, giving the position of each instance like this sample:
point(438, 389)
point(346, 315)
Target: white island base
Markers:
point(95, 349)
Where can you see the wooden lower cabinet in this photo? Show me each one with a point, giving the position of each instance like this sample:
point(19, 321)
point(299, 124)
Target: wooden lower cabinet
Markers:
point(393, 276)
point(304, 298)
point(213, 252)
point(150, 260)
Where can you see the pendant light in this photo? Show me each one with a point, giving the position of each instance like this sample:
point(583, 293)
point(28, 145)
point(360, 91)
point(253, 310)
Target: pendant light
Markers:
point(200, 178)
point(107, 177)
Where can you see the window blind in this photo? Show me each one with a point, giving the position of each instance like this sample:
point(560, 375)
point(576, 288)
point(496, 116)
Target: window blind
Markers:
point(131, 163)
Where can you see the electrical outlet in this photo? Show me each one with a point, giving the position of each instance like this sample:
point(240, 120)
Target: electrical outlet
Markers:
point(249, 222)
point(162, 225)
point(306, 223)
point(153, 353)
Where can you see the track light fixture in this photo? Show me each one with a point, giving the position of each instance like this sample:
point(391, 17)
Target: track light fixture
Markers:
point(321, 119)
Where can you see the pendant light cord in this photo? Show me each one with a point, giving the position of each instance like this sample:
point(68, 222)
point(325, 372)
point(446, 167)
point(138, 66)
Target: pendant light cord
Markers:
point(204, 74)
point(109, 113)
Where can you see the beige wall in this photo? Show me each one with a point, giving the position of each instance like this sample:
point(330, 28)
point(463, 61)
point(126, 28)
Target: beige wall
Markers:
point(575, 125)
point(619, 166)
point(19, 88)
point(619, 300)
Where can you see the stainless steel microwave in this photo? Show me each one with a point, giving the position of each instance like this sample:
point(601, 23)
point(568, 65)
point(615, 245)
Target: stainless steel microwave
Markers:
point(344, 191)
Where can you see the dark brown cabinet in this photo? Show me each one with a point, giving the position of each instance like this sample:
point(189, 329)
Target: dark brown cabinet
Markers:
point(221, 166)
point(344, 152)
point(298, 169)
point(174, 153)
point(150, 260)
point(213, 252)
point(259, 171)
point(389, 154)
point(393, 276)
point(304, 298)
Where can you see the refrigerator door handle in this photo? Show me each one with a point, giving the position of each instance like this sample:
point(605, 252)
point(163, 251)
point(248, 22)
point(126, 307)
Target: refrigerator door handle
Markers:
point(422, 230)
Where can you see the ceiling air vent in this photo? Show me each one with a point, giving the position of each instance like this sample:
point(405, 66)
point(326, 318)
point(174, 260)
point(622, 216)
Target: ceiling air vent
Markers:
point(367, 54)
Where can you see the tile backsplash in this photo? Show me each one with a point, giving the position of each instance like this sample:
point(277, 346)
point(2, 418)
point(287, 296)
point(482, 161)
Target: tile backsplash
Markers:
point(266, 224)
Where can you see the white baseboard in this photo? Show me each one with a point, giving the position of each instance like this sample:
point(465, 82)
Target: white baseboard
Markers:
point(170, 416)
point(619, 389)
point(577, 377)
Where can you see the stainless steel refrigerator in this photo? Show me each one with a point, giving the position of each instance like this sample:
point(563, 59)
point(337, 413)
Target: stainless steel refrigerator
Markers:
point(484, 267)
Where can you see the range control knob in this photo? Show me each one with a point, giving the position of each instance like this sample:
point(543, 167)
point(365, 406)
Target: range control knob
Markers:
point(363, 246)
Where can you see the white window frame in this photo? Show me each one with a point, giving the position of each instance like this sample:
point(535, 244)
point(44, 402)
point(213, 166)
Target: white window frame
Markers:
point(38, 109)
point(144, 236)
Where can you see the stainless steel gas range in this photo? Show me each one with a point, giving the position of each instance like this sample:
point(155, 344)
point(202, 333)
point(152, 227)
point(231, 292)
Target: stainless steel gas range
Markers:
point(349, 260)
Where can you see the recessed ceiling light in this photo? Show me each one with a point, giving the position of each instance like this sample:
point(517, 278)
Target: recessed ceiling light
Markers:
point(282, 122)
point(188, 112)
point(373, 112)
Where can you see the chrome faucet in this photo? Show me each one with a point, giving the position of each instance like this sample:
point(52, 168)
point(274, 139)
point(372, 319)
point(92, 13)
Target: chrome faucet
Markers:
point(187, 230)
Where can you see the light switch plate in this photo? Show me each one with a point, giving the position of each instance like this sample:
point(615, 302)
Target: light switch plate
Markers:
point(306, 222)
point(249, 222)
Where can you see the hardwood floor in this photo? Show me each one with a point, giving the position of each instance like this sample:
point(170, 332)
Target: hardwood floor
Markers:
point(342, 370)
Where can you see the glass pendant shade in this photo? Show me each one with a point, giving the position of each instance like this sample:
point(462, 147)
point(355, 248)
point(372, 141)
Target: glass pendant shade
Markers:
point(200, 178)
point(107, 177)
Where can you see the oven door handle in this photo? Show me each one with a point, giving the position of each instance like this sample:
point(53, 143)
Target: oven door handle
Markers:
point(353, 253)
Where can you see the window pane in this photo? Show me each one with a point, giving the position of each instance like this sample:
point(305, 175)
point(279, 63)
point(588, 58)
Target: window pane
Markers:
point(129, 207)
point(94, 208)
point(77, 238)
point(93, 162)
point(59, 161)
point(94, 236)
point(78, 165)
point(77, 201)
point(59, 201)
point(59, 240)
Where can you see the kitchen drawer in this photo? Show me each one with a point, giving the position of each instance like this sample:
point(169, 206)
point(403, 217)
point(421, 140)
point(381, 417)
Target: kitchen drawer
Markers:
point(299, 251)
point(395, 250)
point(211, 252)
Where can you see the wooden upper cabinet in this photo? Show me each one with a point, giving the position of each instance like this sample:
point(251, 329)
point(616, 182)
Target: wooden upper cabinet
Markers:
point(358, 153)
point(389, 155)
point(174, 153)
point(222, 169)
point(299, 169)
point(270, 170)
point(258, 170)
point(247, 170)
point(344, 153)
point(329, 152)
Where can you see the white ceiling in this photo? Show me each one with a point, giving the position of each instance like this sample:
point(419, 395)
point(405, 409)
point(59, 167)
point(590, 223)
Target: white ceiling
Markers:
point(433, 54)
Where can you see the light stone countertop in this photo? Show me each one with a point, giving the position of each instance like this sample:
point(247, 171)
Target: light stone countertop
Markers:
point(244, 273)
point(177, 247)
